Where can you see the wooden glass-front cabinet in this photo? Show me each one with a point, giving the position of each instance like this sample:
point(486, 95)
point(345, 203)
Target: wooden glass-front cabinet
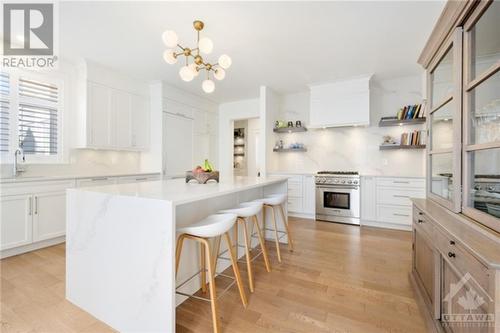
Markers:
point(444, 125)
point(463, 88)
point(481, 110)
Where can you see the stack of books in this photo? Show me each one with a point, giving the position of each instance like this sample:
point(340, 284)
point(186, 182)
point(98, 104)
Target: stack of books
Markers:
point(411, 112)
point(415, 138)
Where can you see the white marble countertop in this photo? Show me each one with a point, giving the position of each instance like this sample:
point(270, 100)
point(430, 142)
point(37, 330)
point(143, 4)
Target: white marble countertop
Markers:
point(21, 179)
point(178, 192)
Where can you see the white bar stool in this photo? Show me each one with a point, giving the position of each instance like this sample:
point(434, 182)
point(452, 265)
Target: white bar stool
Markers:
point(213, 226)
point(274, 201)
point(245, 211)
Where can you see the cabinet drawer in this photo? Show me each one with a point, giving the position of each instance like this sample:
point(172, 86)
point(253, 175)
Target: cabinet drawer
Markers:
point(401, 182)
point(394, 214)
point(294, 204)
point(36, 186)
point(398, 196)
point(420, 221)
point(98, 181)
point(294, 189)
point(138, 178)
point(462, 259)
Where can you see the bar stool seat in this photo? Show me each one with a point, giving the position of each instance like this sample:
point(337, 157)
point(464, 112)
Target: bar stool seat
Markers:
point(245, 211)
point(273, 201)
point(213, 226)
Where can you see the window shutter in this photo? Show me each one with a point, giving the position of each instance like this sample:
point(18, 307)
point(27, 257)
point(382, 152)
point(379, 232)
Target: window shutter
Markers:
point(38, 117)
point(4, 112)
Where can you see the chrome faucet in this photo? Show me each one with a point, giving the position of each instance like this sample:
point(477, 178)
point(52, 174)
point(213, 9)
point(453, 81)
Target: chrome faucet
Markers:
point(17, 169)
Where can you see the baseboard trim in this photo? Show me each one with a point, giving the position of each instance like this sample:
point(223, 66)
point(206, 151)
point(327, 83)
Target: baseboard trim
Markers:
point(31, 247)
point(302, 215)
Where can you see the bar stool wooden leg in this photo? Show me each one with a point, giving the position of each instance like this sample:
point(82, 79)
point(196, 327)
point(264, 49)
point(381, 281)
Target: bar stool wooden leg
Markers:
point(262, 243)
point(178, 251)
point(288, 234)
point(236, 237)
point(276, 233)
point(216, 252)
point(247, 254)
point(211, 273)
point(203, 264)
point(236, 271)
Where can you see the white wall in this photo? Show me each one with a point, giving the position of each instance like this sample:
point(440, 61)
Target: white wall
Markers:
point(353, 148)
point(228, 113)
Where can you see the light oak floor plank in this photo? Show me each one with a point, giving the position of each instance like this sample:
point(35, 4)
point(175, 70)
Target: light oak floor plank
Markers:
point(339, 279)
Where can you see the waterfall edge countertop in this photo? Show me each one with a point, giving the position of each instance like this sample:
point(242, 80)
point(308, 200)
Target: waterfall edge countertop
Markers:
point(120, 245)
point(179, 192)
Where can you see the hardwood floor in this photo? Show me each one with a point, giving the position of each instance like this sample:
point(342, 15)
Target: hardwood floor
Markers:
point(339, 279)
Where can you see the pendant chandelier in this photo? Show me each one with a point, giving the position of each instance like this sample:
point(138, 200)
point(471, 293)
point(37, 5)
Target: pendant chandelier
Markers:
point(191, 70)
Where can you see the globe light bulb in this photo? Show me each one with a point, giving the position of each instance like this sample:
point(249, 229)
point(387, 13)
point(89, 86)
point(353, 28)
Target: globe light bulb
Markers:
point(170, 38)
point(220, 74)
point(206, 45)
point(225, 61)
point(169, 57)
point(194, 68)
point(208, 86)
point(186, 73)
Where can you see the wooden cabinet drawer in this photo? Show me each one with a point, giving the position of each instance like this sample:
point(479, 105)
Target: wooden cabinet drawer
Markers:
point(462, 260)
point(294, 189)
point(394, 214)
point(294, 204)
point(420, 221)
point(398, 196)
point(401, 182)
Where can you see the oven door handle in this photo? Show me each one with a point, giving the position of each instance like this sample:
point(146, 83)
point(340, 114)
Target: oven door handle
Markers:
point(339, 187)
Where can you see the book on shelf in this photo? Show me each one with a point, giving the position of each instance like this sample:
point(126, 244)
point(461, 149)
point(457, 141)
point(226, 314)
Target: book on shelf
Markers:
point(415, 138)
point(410, 112)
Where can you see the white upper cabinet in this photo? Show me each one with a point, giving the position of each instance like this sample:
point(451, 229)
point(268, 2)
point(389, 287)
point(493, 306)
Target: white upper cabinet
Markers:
point(342, 103)
point(113, 111)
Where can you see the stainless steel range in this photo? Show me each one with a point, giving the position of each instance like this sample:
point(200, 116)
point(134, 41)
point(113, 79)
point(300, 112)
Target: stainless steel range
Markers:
point(338, 196)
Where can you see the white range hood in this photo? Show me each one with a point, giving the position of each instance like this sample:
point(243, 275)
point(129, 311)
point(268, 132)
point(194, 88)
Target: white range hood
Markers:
point(340, 103)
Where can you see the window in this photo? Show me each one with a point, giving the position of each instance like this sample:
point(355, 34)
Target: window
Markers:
point(4, 112)
point(31, 116)
point(38, 117)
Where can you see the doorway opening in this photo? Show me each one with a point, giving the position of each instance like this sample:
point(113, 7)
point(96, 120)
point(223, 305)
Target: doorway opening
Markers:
point(246, 147)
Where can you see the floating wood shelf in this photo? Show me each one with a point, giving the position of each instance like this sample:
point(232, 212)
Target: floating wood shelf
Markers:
point(239, 154)
point(396, 122)
point(393, 147)
point(289, 129)
point(286, 150)
point(239, 145)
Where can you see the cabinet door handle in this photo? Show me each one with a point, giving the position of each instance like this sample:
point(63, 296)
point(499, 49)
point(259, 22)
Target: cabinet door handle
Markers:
point(397, 214)
point(30, 211)
point(420, 221)
point(36, 205)
point(400, 196)
point(98, 179)
point(451, 255)
point(452, 242)
point(139, 179)
point(400, 182)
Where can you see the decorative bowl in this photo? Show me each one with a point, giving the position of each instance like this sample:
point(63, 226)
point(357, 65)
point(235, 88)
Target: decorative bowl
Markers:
point(202, 177)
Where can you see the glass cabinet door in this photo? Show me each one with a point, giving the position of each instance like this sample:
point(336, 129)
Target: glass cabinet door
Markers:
point(481, 86)
point(444, 124)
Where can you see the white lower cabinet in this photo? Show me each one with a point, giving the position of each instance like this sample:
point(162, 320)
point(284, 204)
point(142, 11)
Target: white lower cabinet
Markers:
point(385, 201)
point(301, 195)
point(16, 223)
point(49, 215)
point(33, 214)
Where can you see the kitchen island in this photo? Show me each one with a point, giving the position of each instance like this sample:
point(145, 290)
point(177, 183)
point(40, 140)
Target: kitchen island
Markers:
point(120, 251)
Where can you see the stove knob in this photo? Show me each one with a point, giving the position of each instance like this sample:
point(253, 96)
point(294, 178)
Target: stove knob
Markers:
point(349, 182)
point(477, 187)
point(343, 182)
point(335, 181)
point(355, 182)
point(490, 189)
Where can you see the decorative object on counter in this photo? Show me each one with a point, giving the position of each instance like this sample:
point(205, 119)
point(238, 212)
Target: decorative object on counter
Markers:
point(189, 71)
point(389, 140)
point(411, 140)
point(280, 124)
point(290, 124)
point(286, 150)
point(203, 174)
point(298, 123)
point(292, 147)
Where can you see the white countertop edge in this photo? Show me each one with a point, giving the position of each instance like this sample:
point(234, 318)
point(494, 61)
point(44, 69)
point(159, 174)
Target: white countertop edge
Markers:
point(114, 190)
point(22, 179)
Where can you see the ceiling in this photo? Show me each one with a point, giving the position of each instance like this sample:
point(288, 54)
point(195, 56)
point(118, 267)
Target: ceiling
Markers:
point(283, 45)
